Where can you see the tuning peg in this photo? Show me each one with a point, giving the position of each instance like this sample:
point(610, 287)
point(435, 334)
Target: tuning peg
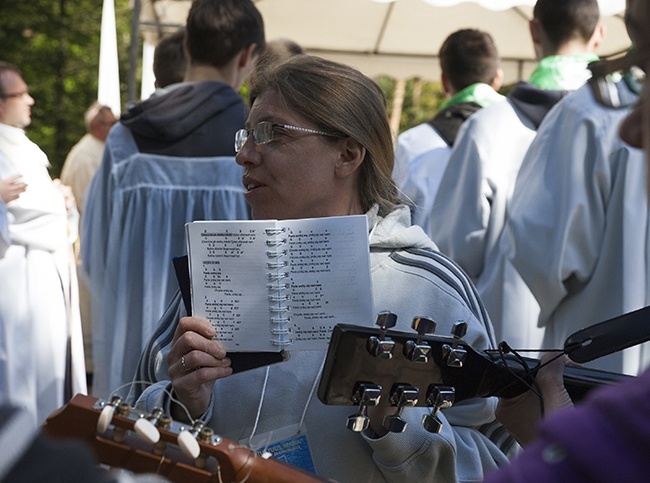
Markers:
point(188, 444)
point(365, 394)
point(187, 440)
point(419, 351)
point(459, 329)
point(381, 347)
point(454, 355)
point(122, 408)
point(146, 427)
point(438, 397)
point(401, 395)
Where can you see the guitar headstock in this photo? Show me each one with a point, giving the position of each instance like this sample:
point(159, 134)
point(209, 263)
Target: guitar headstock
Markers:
point(119, 443)
point(376, 366)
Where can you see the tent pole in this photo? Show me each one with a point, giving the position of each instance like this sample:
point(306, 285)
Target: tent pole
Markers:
point(134, 54)
point(398, 103)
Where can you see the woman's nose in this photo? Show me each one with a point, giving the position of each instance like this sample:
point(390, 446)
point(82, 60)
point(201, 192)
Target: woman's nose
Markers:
point(248, 154)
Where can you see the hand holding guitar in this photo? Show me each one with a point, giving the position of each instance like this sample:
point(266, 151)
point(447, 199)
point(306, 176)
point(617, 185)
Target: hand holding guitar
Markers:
point(195, 362)
point(521, 415)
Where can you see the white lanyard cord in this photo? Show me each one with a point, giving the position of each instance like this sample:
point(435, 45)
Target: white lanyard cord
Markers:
point(304, 412)
point(259, 406)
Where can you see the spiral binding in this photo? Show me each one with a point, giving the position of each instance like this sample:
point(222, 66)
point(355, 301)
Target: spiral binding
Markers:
point(278, 290)
point(278, 298)
point(277, 265)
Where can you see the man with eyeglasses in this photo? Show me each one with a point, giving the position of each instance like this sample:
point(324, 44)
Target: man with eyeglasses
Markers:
point(578, 230)
point(41, 350)
point(169, 160)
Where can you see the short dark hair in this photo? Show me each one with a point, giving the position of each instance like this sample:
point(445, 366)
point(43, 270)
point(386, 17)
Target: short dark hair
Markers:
point(219, 29)
point(469, 56)
point(565, 20)
point(169, 62)
point(7, 67)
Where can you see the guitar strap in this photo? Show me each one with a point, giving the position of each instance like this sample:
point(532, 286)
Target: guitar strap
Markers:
point(610, 336)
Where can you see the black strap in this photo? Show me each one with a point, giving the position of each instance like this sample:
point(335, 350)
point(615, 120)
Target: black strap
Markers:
point(448, 121)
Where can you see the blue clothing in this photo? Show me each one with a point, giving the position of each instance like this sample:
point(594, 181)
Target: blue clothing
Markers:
point(5, 241)
point(136, 208)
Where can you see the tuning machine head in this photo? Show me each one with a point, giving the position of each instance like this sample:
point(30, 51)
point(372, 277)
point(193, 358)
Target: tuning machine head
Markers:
point(366, 394)
point(122, 408)
point(382, 347)
point(454, 354)
point(401, 396)
point(420, 351)
point(438, 397)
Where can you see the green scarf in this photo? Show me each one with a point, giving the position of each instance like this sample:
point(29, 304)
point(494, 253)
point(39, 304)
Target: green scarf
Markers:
point(562, 72)
point(481, 94)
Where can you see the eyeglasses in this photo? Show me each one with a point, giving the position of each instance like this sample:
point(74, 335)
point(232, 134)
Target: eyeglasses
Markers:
point(264, 132)
point(610, 73)
point(15, 95)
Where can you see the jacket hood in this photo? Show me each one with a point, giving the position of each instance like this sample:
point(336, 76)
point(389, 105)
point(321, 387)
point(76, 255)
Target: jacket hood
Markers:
point(177, 113)
point(533, 102)
point(395, 230)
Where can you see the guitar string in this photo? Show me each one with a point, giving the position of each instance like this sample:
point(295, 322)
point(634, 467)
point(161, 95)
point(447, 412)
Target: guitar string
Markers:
point(504, 348)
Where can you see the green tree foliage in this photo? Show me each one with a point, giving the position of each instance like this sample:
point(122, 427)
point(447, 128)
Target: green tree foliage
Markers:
point(416, 109)
point(56, 46)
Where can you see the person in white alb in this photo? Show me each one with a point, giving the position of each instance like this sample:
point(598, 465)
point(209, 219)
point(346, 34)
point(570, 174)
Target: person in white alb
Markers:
point(471, 74)
point(578, 228)
point(41, 348)
point(472, 202)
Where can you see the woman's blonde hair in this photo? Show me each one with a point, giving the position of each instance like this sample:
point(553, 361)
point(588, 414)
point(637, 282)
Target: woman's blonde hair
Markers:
point(341, 100)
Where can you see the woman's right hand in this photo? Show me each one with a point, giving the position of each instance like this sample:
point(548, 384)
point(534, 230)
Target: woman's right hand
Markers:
point(195, 362)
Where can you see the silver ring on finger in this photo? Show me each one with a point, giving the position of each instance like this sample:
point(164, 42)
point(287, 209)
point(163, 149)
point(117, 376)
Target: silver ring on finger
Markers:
point(187, 369)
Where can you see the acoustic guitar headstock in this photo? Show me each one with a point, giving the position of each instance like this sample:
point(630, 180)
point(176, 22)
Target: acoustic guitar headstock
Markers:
point(127, 438)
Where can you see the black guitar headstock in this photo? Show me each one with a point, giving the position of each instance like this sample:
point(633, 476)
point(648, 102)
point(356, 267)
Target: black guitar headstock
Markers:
point(368, 366)
point(377, 366)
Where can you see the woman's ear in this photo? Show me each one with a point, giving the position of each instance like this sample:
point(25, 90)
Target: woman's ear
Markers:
point(352, 154)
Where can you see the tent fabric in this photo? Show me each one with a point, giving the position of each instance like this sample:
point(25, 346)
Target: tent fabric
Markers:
point(398, 38)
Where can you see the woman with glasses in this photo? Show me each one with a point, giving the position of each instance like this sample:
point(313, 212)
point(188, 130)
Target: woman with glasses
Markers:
point(317, 143)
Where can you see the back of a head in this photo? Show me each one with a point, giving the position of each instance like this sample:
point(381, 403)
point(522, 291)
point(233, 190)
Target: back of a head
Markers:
point(217, 30)
point(169, 61)
point(469, 56)
point(566, 20)
point(338, 99)
point(276, 52)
